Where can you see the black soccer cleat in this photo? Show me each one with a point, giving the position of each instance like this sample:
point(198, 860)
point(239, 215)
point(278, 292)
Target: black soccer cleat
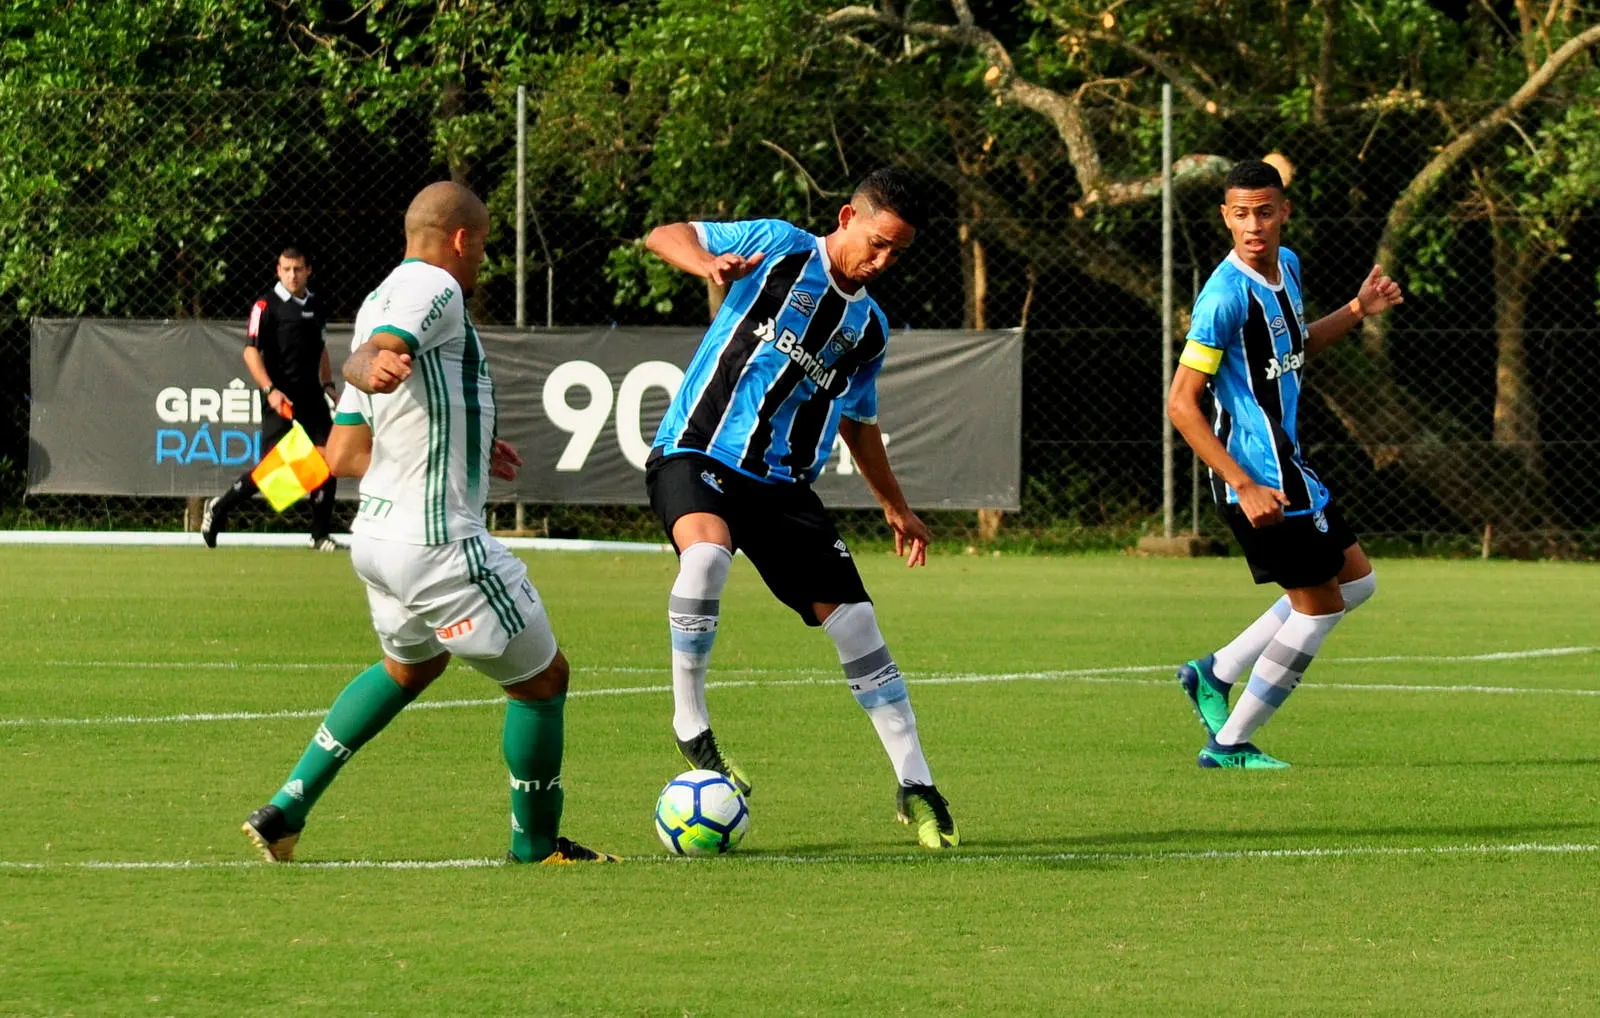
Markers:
point(566, 853)
point(210, 523)
point(268, 830)
point(924, 808)
point(702, 751)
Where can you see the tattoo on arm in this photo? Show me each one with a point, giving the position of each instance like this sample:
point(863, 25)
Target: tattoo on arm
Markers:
point(357, 365)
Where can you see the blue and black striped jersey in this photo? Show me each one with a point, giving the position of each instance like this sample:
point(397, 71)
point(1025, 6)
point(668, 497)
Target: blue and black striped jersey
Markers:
point(788, 354)
point(1250, 336)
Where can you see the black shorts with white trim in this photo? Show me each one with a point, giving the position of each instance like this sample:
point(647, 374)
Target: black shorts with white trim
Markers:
point(782, 527)
point(1303, 551)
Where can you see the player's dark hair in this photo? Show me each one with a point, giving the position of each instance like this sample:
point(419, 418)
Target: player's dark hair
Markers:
point(1252, 175)
point(896, 190)
point(294, 254)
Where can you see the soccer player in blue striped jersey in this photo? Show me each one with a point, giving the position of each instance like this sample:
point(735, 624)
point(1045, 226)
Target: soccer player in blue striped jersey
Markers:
point(1248, 343)
point(790, 362)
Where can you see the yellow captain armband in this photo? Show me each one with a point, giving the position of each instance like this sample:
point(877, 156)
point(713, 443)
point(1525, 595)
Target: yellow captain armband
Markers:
point(1200, 357)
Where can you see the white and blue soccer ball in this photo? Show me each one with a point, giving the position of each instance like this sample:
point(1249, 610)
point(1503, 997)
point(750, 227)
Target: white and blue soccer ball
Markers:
point(701, 813)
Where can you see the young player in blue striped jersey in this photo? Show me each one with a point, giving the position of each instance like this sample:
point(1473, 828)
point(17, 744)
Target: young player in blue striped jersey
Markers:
point(790, 362)
point(1248, 342)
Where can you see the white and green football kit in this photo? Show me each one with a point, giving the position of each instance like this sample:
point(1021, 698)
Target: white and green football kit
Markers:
point(435, 579)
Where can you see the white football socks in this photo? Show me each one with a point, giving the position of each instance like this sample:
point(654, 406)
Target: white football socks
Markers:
point(1277, 672)
point(692, 611)
point(1233, 661)
point(878, 687)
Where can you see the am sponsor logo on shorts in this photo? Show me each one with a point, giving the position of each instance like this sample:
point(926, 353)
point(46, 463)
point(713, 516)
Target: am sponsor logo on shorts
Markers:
point(375, 507)
point(455, 629)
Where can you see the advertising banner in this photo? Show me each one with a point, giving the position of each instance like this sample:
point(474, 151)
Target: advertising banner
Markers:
point(167, 408)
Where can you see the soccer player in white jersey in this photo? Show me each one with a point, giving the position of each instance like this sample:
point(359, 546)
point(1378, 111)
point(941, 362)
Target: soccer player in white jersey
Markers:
point(417, 425)
point(1248, 342)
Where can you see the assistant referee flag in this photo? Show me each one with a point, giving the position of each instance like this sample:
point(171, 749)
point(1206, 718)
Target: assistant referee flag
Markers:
point(291, 471)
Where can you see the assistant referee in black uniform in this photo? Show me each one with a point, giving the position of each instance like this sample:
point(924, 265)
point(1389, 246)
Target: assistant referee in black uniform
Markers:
point(287, 357)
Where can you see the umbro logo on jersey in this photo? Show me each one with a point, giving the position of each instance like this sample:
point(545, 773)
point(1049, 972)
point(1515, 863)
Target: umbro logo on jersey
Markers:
point(711, 481)
point(1278, 367)
point(839, 546)
point(1278, 324)
point(803, 302)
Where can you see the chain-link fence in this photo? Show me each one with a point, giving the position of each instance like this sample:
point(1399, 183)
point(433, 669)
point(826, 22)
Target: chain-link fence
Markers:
point(1464, 420)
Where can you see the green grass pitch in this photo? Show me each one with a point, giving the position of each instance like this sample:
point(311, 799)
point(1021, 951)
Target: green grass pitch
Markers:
point(1433, 851)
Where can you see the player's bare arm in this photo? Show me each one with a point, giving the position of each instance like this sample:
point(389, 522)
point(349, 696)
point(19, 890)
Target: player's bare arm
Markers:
point(503, 460)
point(678, 245)
point(1378, 294)
point(380, 364)
point(911, 535)
point(349, 450)
point(1261, 504)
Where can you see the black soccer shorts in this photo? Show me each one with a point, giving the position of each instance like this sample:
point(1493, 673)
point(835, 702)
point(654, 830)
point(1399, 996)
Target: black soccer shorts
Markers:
point(1302, 551)
point(781, 526)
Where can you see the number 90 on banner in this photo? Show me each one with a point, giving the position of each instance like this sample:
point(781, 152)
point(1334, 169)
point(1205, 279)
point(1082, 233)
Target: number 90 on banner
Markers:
point(585, 423)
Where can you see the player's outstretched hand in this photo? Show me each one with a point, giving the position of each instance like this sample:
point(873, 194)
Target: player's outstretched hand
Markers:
point(728, 268)
point(504, 461)
point(1263, 506)
point(911, 536)
point(1379, 293)
point(387, 370)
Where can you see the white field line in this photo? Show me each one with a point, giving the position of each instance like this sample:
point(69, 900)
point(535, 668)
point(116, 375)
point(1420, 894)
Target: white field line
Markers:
point(844, 859)
point(267, 666)
point(1115, 675)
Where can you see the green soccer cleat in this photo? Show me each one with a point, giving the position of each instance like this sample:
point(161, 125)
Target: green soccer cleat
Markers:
point(1244, 756)
point(702, 752)
point(924, 808)
point(1209, 697)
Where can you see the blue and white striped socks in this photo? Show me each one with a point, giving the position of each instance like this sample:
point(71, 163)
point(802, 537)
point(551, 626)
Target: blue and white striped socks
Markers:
point(879, 688)
point(1277, 672)
point(692, 612)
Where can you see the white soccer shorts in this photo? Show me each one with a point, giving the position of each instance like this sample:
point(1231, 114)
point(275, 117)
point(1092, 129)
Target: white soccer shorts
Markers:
point(470, 597)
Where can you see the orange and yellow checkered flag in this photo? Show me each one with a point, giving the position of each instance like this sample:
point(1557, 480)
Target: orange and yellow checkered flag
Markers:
point(291, 471)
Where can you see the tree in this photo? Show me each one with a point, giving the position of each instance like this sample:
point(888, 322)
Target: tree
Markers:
point(114, 179)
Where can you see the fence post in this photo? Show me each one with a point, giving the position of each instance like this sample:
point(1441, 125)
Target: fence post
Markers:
point(522, 206)
point(1194, 461)
point(1168, 479)
point(519, 518)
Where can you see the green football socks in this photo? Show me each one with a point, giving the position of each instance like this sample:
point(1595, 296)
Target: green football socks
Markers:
point(532, 745)
point(368, 703)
